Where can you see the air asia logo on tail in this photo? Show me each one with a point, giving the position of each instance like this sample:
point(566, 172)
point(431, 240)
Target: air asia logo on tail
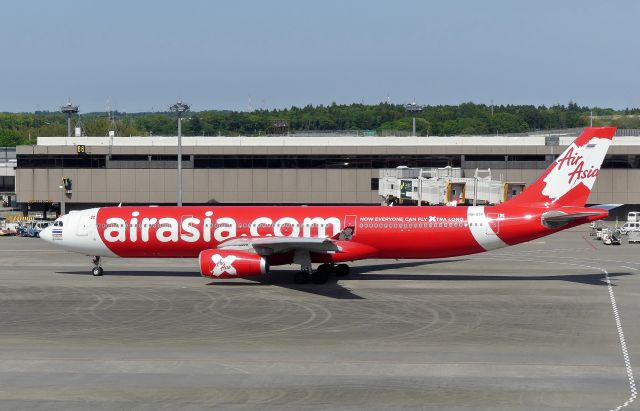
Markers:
point(579, 164)
point(223, 265)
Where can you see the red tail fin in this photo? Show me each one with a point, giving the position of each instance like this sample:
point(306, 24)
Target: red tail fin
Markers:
point(569, 180)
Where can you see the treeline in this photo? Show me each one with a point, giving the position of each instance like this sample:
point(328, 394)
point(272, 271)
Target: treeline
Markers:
point(380, 119)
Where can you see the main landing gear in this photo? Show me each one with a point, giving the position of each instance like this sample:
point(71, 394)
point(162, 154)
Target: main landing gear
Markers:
point(321, 275)
point(96, 271)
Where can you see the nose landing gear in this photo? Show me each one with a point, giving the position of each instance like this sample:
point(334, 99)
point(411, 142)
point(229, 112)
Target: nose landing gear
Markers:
point(96, 271)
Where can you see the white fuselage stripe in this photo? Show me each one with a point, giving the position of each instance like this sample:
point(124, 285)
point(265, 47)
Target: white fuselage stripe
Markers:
point(482, 232)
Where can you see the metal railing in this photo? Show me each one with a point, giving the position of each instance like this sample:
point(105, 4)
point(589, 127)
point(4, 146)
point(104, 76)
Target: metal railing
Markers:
point(628, 132)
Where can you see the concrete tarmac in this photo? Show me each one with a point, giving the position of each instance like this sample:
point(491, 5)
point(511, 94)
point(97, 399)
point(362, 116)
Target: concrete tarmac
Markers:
point(530, 327)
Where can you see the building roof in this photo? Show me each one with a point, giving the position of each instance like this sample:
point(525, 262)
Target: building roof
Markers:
point(320, 141)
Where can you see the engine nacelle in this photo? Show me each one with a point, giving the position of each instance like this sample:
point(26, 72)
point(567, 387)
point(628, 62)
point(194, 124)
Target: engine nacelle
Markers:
point(231, 264)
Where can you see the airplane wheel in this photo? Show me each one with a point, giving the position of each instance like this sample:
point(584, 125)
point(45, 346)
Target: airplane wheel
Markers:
point(342, 270)
point(97, 271)
point(301, 277)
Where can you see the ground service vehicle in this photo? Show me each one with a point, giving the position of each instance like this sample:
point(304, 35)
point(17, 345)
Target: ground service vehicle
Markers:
point(629, 227)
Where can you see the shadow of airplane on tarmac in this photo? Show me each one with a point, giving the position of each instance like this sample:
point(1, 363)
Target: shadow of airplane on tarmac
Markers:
point(333, 288)
point(136, 273)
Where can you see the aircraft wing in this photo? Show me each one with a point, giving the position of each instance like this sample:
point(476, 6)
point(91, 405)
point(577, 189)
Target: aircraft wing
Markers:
point(276, 245)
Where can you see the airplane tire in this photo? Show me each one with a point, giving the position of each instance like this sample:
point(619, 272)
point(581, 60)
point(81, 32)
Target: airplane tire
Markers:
point(342, 270)
point(97, 271)
point(301, 277)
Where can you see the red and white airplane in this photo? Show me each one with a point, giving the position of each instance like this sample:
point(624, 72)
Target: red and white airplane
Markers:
point(246, 241)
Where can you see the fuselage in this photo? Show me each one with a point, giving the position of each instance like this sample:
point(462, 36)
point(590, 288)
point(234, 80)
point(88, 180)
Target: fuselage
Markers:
point(386, 232)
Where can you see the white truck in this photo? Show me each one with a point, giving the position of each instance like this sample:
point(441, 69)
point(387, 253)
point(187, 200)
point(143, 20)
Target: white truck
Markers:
point(630, 227)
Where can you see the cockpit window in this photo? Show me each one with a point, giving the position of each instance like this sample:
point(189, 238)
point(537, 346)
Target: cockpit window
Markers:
point(57, 224)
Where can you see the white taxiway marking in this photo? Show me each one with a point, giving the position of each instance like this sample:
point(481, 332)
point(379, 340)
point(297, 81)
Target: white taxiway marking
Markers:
point(616, 316)
point(623, 346)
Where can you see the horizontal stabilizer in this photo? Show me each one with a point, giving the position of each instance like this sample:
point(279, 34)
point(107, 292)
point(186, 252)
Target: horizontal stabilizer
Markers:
point(557, 218)
point(607, 207)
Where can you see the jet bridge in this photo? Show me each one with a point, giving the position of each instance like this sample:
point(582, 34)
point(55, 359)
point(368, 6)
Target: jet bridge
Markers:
point(443, 186)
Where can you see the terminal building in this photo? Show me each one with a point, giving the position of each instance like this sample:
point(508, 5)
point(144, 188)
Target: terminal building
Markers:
point(7, 176)
point(84, 172)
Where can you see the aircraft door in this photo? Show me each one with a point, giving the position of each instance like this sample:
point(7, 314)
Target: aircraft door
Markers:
point(350, 221)
point(83, 225)
point(493, 223)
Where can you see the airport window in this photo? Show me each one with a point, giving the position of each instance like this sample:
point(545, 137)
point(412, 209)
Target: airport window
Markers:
point(375, 184)
point(500, 157)
point(128, 157)
point(281, 161)
point(60, 161)
point(320, 161)
point(621, 161)
point(8, 183)
point(145, 157)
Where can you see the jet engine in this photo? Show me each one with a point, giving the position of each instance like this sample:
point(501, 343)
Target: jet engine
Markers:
point(231, 264)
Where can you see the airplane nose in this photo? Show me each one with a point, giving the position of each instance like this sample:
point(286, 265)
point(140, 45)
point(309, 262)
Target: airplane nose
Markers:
point(46, 234)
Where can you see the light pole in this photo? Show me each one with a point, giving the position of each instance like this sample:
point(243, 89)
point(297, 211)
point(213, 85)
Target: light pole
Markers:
point(179, 108)
point(69, 109)
point(62, 207)
point(506, 169)
point(414, 109)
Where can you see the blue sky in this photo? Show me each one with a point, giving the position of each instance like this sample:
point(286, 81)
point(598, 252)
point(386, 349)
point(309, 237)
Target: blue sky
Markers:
point(142, 55)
